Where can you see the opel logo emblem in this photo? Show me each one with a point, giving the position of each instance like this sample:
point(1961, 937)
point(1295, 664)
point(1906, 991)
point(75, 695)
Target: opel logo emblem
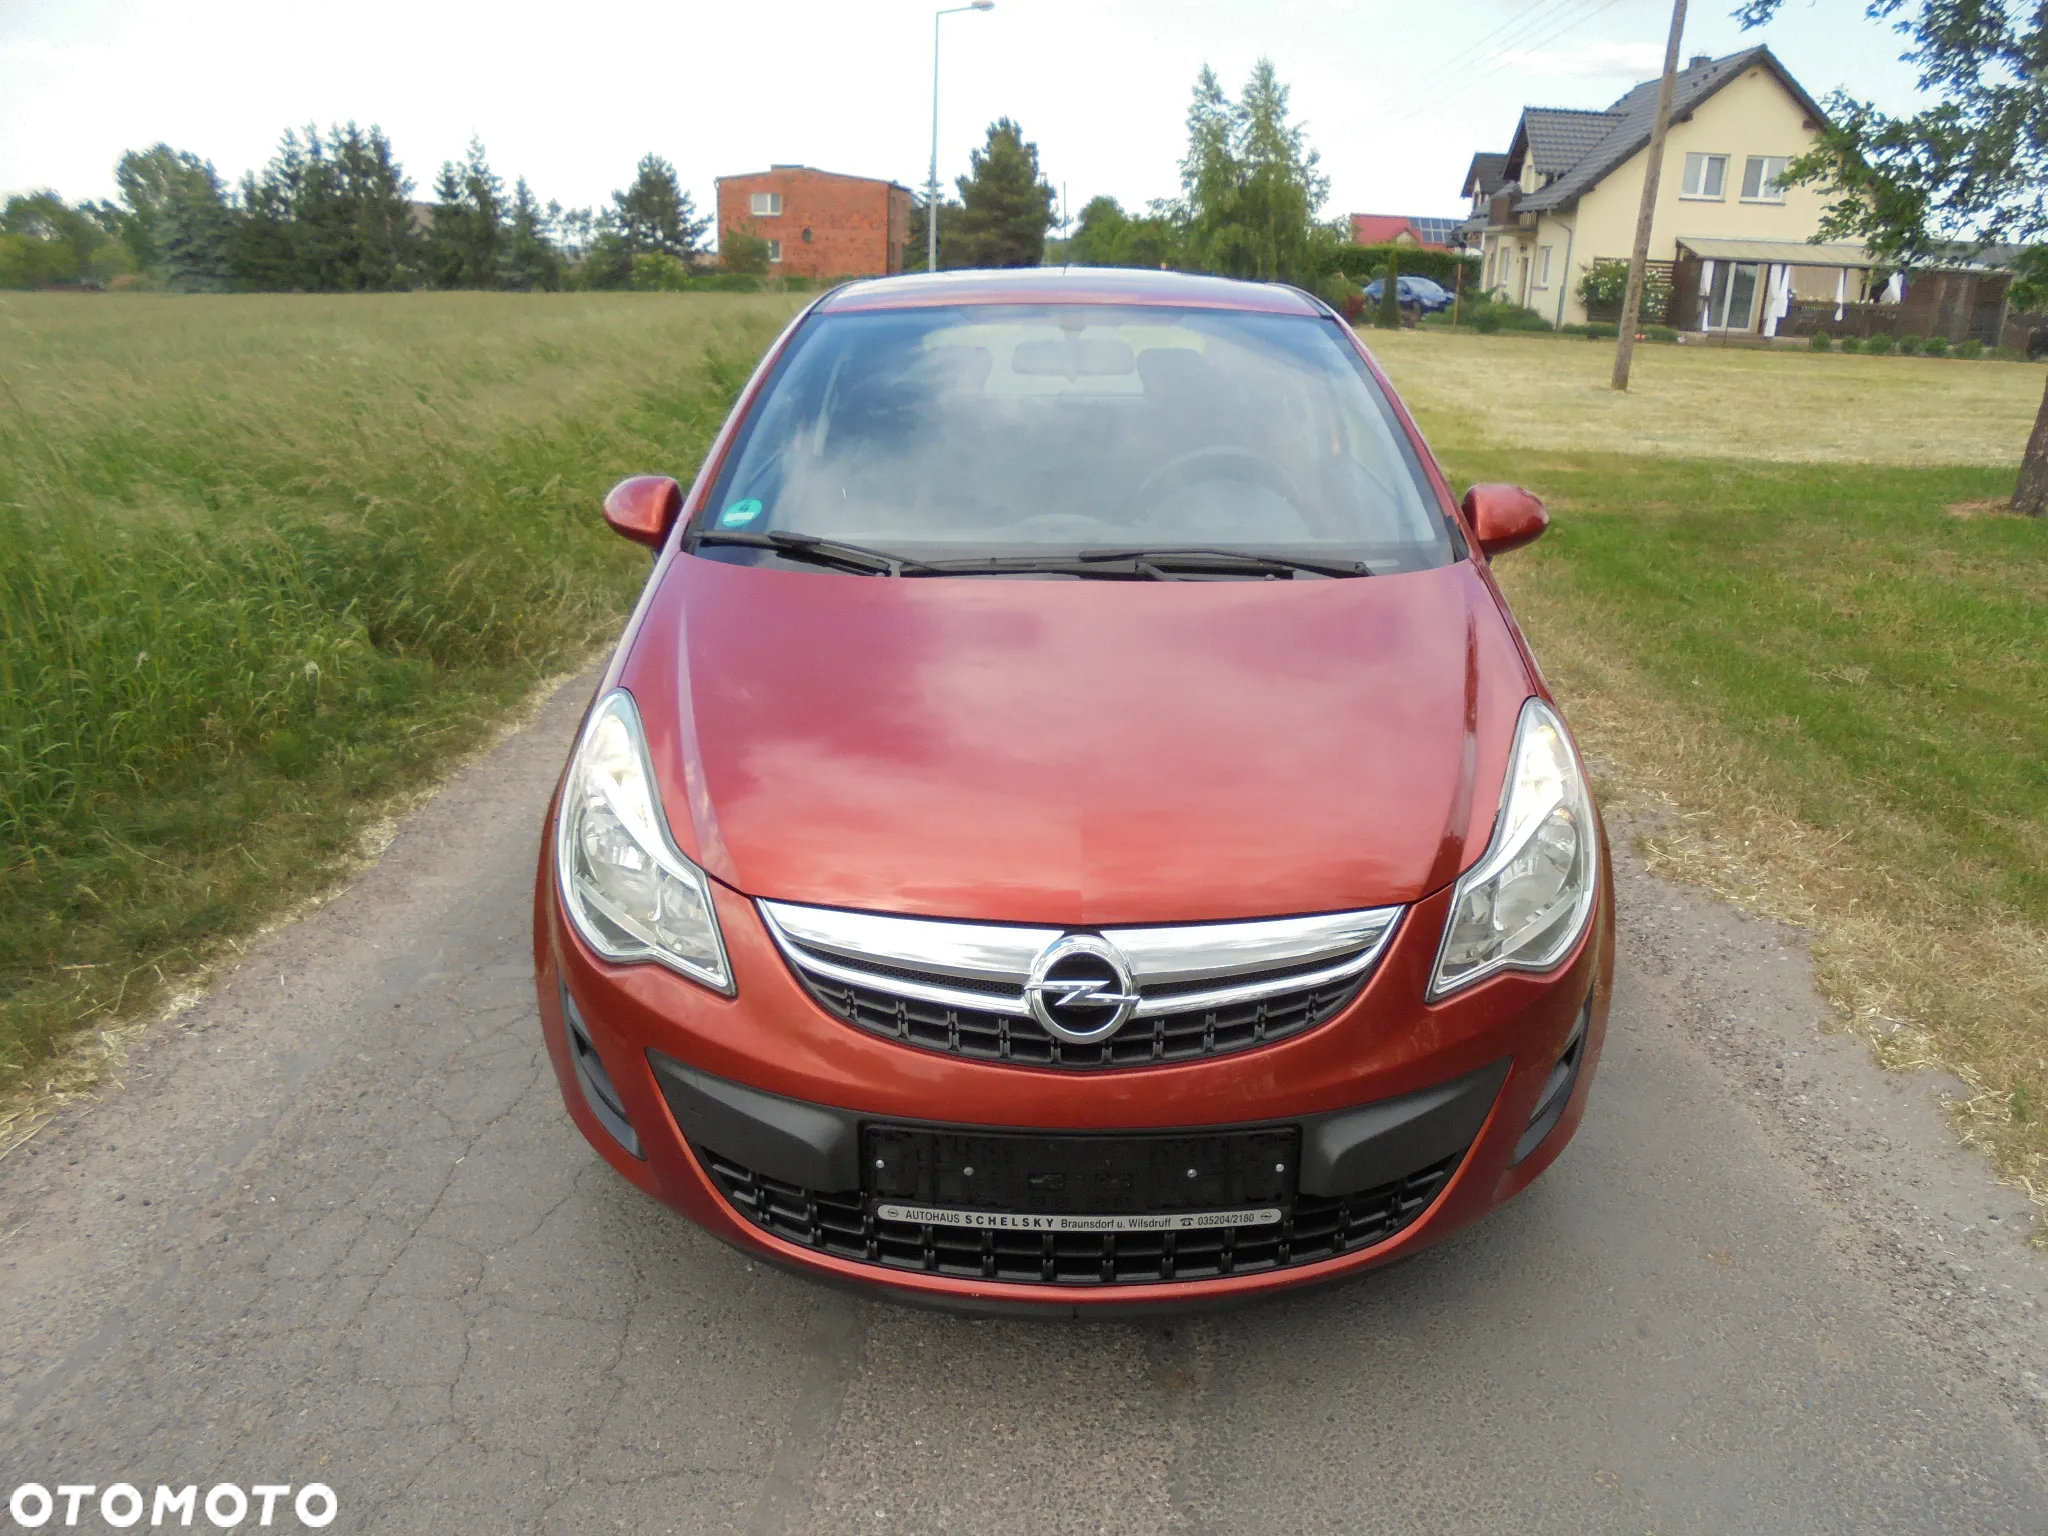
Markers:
point(1080, 989)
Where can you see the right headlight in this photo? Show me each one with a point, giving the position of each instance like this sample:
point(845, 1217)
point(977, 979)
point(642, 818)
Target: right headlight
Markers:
point(629, 890)
point(1525, 903)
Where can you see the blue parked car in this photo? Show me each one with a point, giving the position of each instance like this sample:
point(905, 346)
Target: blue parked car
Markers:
point(1425, 294)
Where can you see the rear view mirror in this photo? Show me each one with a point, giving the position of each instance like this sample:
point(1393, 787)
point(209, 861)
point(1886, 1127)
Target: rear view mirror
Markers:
point(1504, 517)
point(644, 508)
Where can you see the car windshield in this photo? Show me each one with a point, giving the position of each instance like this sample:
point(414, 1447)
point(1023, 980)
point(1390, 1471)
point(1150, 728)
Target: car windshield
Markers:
point(1064, 431)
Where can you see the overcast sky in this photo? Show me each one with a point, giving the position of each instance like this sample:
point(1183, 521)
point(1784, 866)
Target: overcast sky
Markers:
point(1396, 94)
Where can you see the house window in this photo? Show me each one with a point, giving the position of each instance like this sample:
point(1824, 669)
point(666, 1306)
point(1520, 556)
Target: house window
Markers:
point(775, 250)
point(1729, 304)
point(1761, 179)
point(1705, 176)
point(1543, 266)
point(766, 205)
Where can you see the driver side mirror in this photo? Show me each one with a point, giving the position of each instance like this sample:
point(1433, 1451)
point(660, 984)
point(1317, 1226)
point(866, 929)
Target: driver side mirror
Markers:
point(1504, 517)
point(643, 508)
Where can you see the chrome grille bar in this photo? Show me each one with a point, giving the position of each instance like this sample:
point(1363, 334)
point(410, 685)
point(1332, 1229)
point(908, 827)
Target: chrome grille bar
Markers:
point(984, 966)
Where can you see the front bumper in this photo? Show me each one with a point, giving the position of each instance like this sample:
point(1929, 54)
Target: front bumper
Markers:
point(736, 1111)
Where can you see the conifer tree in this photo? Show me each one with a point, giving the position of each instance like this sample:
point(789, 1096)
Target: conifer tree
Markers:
point(176, 221)
point(655, 215)
point(917, 245)
point(1390, 295)
point(1005, 205)
point(531, 259)
point(381, 244)
point(468, 238)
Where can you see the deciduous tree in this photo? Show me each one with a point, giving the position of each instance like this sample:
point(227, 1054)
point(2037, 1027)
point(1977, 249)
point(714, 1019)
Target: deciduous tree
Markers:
point(43, 240)
point(1252, 190)
point(1106, 236)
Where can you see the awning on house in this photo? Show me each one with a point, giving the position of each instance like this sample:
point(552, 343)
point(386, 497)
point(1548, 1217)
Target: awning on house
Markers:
point(1787, 253)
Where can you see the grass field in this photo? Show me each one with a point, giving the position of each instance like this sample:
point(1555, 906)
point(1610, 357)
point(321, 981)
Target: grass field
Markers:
point(269, 561)
point(1819, 640)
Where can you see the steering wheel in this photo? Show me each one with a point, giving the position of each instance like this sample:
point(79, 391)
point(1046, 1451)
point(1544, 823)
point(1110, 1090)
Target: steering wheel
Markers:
point(1218, 461)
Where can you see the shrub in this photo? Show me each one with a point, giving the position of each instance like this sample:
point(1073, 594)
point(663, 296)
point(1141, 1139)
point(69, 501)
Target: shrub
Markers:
point(1658, 333)
point(1971, 349)
point(1879, 344)
point(1490, 315)
point(1341, 294)
point(1909, 346)
point(1605, 286)
point(1852, 344)
point(742, 250)
point(1390, 294)
point(658, 272)
point(2008, 355)
point(1935, 346)
point(723, 282)
point(1821, 341)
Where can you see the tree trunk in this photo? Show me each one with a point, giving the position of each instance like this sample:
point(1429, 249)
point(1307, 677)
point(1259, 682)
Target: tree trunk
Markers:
point(2031, 494)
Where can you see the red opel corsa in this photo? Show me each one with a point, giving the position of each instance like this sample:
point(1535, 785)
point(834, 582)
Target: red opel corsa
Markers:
point(1071, 820)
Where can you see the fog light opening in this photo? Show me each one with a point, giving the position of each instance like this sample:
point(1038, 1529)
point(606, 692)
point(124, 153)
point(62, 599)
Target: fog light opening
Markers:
point(598, 1090)
point(1557, 1089)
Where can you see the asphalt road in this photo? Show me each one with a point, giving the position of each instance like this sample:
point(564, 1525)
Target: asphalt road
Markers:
point(332, 1224)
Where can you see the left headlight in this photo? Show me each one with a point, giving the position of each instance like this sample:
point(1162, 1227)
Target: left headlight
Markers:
point(630, 892)
point(1525, 903)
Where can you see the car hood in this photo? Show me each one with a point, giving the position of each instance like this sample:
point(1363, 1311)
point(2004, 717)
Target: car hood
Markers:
point(1077, 752)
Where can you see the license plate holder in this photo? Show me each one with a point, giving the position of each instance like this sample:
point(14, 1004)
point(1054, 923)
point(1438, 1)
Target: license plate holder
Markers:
point(1129, 1173)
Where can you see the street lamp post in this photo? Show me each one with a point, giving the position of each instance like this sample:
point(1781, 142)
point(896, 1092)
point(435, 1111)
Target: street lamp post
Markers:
point(931, 205)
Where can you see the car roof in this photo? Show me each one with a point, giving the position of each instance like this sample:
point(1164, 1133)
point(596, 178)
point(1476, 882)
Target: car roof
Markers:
point(1068, 285)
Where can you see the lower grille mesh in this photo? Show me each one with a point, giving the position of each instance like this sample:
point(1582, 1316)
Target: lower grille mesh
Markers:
point(842, 1224)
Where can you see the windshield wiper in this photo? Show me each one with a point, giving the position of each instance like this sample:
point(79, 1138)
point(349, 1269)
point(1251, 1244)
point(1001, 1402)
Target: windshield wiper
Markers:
point(1141, 565)
point(817, 550)
point(1220, 561)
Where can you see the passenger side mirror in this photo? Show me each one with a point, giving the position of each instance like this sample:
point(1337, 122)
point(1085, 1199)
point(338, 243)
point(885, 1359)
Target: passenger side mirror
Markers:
point(1504, 517)
point(644, 508)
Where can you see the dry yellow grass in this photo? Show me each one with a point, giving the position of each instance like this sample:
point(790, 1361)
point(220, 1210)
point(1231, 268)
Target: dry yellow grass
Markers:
point(1473, 392)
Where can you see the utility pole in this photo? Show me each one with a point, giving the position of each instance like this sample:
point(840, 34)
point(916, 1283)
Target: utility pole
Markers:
point(931, 204)
point(1653, 169)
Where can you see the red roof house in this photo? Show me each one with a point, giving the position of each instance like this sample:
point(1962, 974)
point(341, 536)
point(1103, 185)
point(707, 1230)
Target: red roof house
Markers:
point(1399, 229)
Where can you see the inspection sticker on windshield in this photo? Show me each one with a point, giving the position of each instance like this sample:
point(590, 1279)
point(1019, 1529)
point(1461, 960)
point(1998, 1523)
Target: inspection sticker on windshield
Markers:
point(1029, 1221)
point(740, 513)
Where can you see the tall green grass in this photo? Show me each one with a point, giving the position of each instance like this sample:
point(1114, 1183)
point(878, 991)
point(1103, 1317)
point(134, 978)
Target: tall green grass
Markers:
point(265, 561)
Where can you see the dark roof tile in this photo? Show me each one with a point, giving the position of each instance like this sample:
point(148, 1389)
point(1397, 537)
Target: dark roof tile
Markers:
point(1560, 137)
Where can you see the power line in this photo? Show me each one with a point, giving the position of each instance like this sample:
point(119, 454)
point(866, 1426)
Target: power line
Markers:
point(1499, 59)
point(1477, 55)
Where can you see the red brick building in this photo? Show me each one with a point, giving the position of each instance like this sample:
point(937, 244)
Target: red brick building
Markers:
point(819, 223)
